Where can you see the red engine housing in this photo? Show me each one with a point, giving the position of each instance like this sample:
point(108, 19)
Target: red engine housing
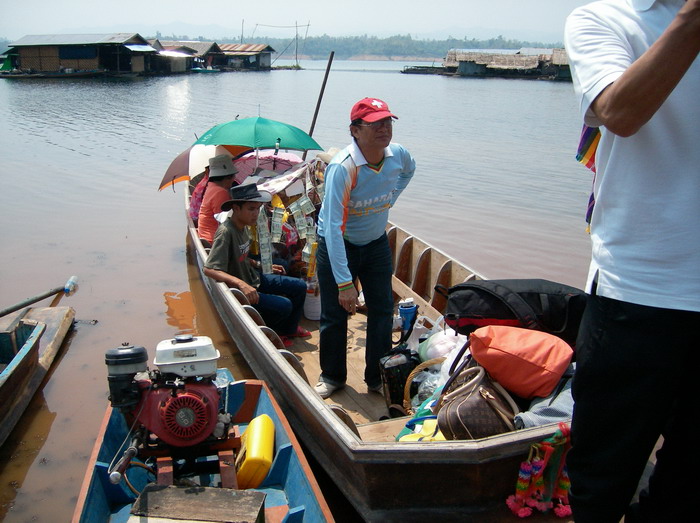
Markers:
point(180, 417)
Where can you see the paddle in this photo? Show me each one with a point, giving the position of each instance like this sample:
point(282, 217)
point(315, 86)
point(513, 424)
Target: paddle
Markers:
point(70, 287)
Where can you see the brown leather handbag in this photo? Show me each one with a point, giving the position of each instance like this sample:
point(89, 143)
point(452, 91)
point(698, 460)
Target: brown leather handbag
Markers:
point(472, 406)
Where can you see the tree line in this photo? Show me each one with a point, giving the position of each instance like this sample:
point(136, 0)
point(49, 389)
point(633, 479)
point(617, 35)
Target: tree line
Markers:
point(398, 45)
point(319, 47)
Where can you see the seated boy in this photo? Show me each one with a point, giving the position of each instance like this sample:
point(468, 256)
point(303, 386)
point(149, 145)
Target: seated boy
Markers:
point(278, 298)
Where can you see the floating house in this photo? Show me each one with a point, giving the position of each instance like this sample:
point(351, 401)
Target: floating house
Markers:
point(114, 53)
point(126, 54)
point(173, 58)
point(525, 63)
point(206, 54)
point(227, 57)
point(248, 56)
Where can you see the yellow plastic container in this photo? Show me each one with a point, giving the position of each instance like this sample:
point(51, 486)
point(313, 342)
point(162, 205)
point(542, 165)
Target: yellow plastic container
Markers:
point(257, 450)
point(427, 433)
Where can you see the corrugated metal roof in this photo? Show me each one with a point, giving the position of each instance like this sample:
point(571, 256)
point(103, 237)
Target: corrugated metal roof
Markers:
point(246, 49)
point(181, 49)
point(80, 39)
point(175, 54)
point(140, 48)
point(200, 48)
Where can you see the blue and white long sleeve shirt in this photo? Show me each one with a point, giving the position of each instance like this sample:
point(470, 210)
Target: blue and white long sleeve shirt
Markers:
point(357, 200)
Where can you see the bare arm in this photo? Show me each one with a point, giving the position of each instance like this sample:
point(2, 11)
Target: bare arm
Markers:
point(631, 101)
point(231, 281)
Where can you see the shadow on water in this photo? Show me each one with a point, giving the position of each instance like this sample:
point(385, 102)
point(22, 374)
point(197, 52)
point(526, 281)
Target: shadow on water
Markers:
point(24, 445)
point(22, 448)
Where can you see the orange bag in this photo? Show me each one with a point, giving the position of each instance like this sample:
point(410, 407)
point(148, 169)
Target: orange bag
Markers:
point(526, 362)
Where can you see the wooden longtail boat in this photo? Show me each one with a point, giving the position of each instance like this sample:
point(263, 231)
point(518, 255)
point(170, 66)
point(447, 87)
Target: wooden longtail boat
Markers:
point(350, 434)
point(30, 340)
point(256, 472)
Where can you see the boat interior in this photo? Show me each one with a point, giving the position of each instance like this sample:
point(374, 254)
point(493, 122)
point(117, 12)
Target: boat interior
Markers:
point(418, 269)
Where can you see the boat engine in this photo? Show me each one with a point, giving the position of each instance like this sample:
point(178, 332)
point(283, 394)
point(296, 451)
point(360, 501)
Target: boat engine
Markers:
point(178, 402)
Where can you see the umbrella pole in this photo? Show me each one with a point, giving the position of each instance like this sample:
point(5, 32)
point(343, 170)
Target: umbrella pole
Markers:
point(320, 97)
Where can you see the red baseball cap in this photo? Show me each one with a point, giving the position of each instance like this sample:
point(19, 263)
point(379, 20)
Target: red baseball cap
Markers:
point(370, 110)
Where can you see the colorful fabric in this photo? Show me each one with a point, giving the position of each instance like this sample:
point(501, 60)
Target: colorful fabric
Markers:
point(590, 136)
point(543, 482)
point(587, 146)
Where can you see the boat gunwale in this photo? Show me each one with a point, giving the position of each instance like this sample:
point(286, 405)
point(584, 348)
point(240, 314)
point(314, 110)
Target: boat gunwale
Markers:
point(475, 452)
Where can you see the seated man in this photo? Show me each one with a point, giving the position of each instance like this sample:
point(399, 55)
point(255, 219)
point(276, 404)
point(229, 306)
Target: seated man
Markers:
point(221, 173)
point(278, 298)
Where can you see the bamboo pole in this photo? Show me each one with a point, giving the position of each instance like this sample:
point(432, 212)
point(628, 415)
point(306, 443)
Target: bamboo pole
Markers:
point(320, 97)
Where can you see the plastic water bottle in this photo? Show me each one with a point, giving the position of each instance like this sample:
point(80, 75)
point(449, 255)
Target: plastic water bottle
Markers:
point(71, 286)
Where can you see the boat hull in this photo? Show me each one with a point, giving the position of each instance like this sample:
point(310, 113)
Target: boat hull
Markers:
point(387, 480)
point(290, 488)
point(40, 332)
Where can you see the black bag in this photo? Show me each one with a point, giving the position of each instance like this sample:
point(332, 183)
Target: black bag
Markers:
point(529, 303)
point(395, 368)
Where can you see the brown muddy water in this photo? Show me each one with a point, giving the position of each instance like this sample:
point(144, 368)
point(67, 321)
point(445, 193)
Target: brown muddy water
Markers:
point(497, 187)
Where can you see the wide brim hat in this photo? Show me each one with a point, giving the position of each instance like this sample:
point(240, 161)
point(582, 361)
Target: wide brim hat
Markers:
point(221, 166)
point(371, 110)
point(245, 193)
point(327, 156)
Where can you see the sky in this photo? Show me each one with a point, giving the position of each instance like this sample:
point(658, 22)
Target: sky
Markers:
point(534, 20)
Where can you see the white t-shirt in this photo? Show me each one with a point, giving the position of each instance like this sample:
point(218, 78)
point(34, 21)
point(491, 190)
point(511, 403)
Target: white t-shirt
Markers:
point(645, 228)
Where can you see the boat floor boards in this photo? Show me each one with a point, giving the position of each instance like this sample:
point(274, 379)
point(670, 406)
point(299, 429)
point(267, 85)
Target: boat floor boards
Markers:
point(363, 407)
point(195, 503)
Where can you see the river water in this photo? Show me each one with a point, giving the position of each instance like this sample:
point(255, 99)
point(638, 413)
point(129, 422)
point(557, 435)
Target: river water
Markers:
point(497, 187)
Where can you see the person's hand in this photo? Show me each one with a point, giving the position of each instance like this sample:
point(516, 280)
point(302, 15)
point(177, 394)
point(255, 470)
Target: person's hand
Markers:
point(250, 292)
point(278, 269)
point(348, 299)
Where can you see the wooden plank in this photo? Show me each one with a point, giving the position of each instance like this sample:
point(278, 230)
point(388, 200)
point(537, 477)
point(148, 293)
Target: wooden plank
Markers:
point(404, 261)
point(382, 431)
point(421, 278)
point(444, 278)
point(58, 321)
point(424, 308)
point(200, 504)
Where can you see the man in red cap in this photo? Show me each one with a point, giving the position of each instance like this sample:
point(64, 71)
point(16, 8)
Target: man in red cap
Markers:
point(362, 182)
